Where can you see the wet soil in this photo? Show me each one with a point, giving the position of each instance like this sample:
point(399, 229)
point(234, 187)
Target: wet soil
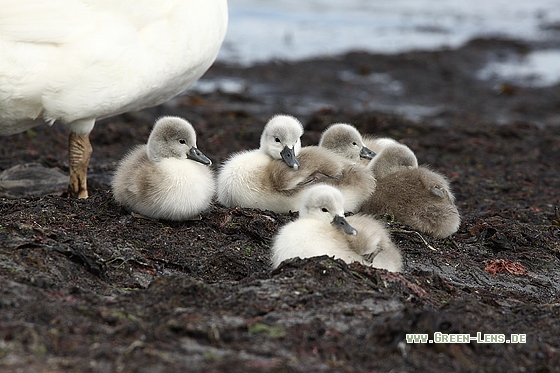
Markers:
point(87, 287)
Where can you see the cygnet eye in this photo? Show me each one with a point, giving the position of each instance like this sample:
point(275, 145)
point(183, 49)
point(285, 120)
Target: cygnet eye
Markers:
point(182, 141)
point(324, 209)
point(277, 139)
point(354, 143)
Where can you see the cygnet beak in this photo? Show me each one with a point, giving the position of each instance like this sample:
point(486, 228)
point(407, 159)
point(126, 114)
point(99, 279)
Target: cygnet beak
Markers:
point(198, 156)
point(342, 223)
point(289, 156)
point(367, 153)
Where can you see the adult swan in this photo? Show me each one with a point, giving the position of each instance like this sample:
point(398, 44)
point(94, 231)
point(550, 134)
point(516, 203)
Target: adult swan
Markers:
point(76, 61)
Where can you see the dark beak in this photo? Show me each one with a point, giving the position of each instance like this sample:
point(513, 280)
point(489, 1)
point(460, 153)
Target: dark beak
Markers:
point(367, 153)
point(289, 157)
point(198, 156)
point(342, 223)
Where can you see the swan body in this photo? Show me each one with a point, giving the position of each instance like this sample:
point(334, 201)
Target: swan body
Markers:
point(168, 178)
point(76, 61)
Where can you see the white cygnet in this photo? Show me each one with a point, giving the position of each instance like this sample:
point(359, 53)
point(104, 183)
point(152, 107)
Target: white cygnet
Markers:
point(249, 178)
point(168, 178)
point(321, 229)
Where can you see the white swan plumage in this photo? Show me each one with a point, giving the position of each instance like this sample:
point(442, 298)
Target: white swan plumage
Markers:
point(77, 61)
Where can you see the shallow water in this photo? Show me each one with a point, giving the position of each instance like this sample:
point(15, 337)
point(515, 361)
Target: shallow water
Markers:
point(263, 30)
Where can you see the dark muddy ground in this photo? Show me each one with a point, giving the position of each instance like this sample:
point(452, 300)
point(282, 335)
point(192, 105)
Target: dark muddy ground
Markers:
point(87, 287)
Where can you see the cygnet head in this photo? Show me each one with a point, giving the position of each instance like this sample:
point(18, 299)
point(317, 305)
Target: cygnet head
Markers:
point(325, 203)
point(393, 158)
point(174, 137)
point(345, 139)
point(281, 139)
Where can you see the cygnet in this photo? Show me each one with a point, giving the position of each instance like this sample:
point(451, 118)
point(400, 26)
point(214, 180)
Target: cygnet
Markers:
point(417, 196)
point(167, 178)
point(396, 157)
point(373, 243)
point(250, 178)
point(322, 230)
point(345, 140)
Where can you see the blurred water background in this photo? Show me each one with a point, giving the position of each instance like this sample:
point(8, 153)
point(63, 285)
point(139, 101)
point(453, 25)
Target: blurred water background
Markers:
point(291, 30)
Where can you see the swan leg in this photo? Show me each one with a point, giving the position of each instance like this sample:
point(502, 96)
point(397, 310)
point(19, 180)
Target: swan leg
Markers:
point(79, 152)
